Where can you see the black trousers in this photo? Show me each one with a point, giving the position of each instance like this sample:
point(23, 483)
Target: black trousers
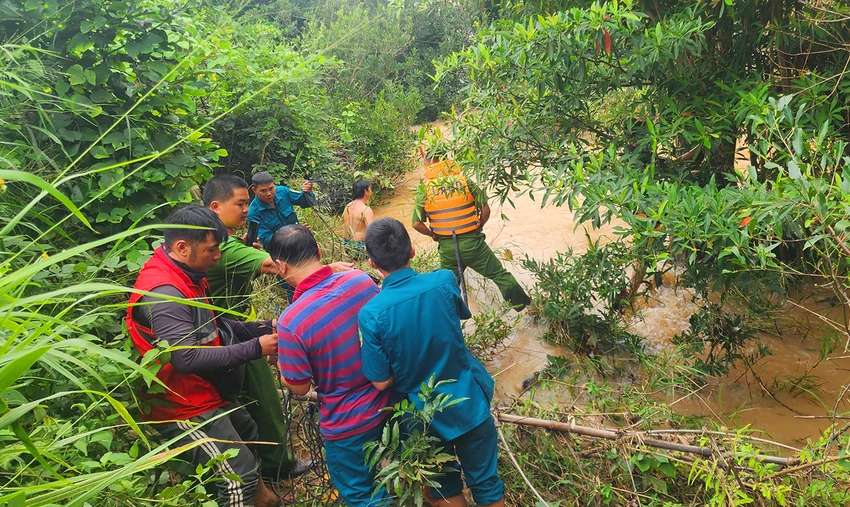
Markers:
point(235, 426)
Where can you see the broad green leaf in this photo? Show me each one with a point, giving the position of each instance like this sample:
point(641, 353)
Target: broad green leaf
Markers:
point(133, 48)
point(794, 170)
point(797, 142)
point(76, 74)
point(99, 152)
point(47, 188)
point(15, 366)
point(25, 439)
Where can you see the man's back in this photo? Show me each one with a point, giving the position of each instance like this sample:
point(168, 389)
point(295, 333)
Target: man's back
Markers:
point(410, 331)
point(319, 340)
point(354, 220)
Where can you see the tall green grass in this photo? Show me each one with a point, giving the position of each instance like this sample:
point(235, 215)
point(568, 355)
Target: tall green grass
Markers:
point(69, 427)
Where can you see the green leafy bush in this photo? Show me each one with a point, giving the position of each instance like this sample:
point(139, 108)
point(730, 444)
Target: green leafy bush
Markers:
point(634, 112)
point(389, 45)
point(376, 137)
point(85, 115)
point(122, 111)
point(583, 296)
point(67, 375)
point(716, 339)
point(408, 454)
point(287, 128)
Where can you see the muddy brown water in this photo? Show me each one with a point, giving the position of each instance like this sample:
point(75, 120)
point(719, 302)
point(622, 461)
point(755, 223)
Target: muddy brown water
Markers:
point(735, 401)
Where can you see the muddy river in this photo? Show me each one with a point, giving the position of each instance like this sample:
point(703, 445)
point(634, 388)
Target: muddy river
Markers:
point(735, 401)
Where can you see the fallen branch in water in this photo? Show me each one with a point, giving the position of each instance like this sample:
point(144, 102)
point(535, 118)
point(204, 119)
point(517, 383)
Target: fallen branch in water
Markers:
point(609, 434)
point(613, 434)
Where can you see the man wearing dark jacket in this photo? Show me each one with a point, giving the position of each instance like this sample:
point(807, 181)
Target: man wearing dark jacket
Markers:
point(203, 378)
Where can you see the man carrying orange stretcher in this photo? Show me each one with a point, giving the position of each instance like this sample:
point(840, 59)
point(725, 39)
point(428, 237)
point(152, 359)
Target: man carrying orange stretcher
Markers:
point(457, 211)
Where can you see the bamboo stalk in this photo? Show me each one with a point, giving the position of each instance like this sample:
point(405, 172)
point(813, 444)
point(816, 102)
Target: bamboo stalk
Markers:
point(610, 434)
point(805, 466)
point(719, 434)
point(615, 435)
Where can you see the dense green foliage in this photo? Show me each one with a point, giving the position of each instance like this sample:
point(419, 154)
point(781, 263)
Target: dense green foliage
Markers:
point(390, 44)
point(126, 106)
point(67, 419)
point(120, 95)
point(587, 96)
point(634, 113)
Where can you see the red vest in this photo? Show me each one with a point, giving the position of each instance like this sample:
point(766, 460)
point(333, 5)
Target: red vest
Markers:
point(187, 395)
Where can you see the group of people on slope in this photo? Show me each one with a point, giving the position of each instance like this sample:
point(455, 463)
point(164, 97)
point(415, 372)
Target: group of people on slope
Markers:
point(361, 348)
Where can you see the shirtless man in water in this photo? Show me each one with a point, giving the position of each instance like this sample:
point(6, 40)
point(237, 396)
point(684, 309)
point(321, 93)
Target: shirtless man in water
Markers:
point(356, 217)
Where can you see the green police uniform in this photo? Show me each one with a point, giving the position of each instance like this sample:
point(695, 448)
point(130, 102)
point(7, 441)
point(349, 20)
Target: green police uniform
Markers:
point(474, 253)
point(230, 284)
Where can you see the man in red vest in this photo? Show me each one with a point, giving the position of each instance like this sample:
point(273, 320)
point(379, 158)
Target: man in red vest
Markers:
point(202, 379)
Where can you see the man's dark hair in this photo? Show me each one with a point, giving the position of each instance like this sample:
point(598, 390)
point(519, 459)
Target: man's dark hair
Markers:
point(197, 216)
point(388, 244)
point(220, 188)
point(360, 188)
point(261, 178)
point(293, 245)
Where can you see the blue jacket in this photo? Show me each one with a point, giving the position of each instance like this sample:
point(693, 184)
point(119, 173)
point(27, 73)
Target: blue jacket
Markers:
point(273, 218)
point(410, 331)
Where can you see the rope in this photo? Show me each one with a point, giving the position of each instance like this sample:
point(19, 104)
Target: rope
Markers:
point(316, 485)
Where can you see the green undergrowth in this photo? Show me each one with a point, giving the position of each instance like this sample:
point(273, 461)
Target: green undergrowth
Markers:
point(568, 469)
point(486, 332)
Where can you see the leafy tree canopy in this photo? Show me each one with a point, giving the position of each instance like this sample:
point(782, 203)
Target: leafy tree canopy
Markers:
point(636, 111)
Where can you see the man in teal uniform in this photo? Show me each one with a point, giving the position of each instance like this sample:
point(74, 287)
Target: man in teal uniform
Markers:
point(230, 284)
point(273, 204)
point(410, 331)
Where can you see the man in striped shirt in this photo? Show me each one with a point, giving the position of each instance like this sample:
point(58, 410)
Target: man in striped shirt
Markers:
point(318, 342)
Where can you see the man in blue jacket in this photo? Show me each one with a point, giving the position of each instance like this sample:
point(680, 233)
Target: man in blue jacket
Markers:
point(410, 331)
point(273, 204)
